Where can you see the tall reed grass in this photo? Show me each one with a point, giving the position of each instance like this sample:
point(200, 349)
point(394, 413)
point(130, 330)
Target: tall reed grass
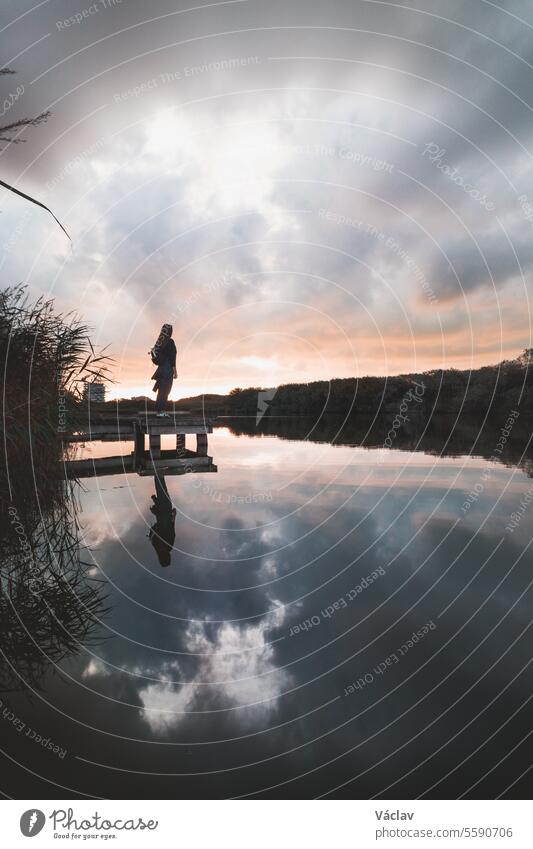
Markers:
point(50, 602)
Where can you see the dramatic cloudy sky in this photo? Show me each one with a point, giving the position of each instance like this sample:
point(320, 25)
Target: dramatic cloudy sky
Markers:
point(304, 190)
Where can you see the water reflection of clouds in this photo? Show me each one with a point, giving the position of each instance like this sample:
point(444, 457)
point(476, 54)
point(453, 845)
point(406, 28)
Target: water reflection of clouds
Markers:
point(256, 564)
point(203, 651)
point(239, 668)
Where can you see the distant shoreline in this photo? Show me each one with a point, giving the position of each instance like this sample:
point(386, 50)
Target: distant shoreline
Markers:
point(478, 392)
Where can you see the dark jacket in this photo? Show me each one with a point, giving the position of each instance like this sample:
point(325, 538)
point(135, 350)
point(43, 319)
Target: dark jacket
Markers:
point(166, 362)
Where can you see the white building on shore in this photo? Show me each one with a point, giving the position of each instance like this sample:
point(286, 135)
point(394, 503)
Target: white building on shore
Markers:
point(94, 392)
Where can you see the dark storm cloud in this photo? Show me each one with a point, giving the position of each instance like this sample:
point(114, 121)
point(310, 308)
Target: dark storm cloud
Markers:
point(489, 264)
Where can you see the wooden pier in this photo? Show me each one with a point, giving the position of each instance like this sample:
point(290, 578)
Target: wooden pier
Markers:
point(145, 459)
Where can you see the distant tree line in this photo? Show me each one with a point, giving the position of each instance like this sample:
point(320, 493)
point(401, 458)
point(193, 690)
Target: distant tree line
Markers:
point(475, 392)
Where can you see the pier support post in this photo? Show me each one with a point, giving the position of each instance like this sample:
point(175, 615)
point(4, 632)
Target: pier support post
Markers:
point(138, 446)
point(155, 446)
point(201, 444)
point(180, 444)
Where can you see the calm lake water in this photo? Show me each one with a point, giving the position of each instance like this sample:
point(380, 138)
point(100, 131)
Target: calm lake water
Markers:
point(274, 655)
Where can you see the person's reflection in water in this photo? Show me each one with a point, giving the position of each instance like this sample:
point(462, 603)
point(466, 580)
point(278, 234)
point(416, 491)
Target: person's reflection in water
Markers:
point(162, 534)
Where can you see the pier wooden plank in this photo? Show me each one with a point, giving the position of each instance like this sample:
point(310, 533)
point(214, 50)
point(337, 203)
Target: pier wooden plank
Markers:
point(167, 464)
point(125, 430)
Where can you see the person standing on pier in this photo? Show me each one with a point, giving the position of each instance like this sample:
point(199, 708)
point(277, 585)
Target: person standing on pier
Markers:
point(164, 356)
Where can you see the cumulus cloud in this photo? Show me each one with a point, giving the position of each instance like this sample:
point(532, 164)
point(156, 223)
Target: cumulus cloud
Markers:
point(237, 670)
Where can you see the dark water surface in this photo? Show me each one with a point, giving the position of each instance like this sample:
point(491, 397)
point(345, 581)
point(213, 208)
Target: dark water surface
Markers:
point(275, 655)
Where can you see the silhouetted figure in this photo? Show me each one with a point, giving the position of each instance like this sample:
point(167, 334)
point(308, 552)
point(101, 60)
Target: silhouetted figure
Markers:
point(163, 355)
point(162, 534)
